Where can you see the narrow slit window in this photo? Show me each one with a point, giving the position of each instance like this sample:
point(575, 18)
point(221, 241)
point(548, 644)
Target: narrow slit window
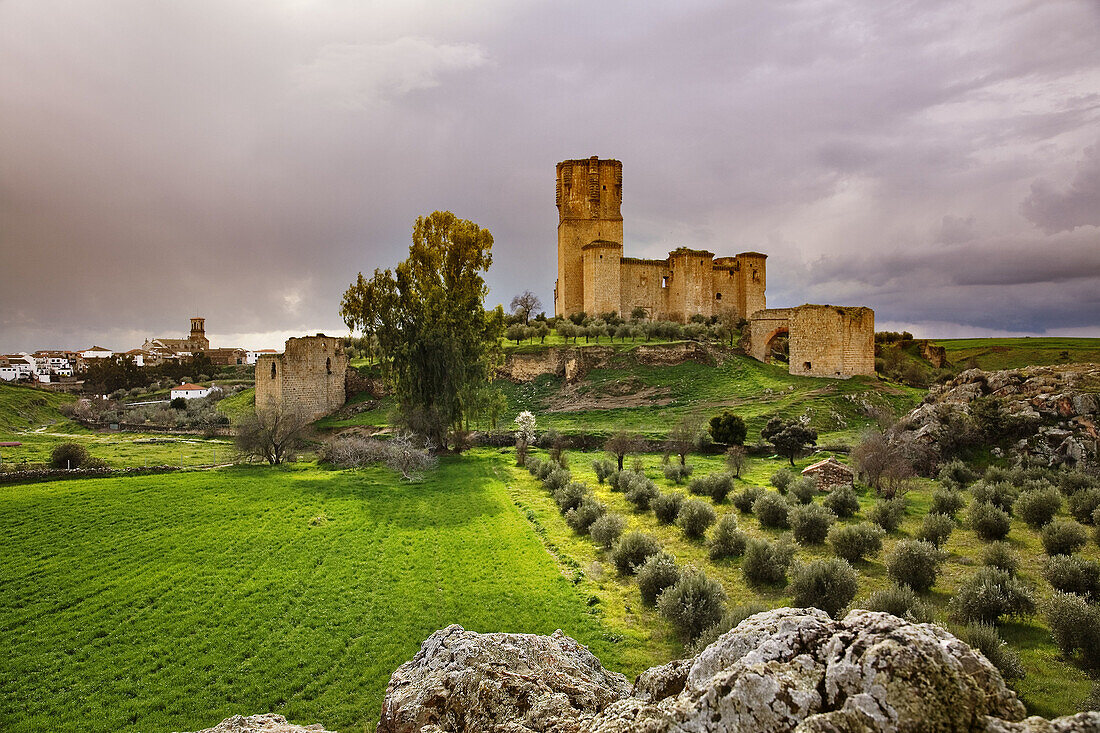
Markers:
point(272, 370)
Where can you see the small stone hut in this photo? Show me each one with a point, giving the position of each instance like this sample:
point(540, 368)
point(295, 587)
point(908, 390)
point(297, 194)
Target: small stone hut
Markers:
point(829, 474)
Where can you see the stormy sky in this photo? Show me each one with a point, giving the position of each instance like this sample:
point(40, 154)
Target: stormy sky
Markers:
point(937, 161)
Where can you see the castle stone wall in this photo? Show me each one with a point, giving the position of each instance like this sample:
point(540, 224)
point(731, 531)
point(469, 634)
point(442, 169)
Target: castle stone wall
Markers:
point(832, 341)
point(307, 379)
point(589, 196)
point(602, 272)
point(641, 284)
point(765, 325)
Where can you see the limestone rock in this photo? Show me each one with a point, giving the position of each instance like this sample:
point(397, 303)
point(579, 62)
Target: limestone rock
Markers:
point(784, 670)
point(463, 681)
point(267, 723)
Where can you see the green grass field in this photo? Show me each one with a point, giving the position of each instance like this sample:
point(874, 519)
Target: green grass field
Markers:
point(1013, 353)
point(170, 602)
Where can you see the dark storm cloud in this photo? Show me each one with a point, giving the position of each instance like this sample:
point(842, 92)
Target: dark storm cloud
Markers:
point(243, 161)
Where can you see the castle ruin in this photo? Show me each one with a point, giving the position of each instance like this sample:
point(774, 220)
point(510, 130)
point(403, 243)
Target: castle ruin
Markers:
point(306, 380)
point(595, 278)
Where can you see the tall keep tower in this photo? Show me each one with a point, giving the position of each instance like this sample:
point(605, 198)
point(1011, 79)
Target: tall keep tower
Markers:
point(589, 199)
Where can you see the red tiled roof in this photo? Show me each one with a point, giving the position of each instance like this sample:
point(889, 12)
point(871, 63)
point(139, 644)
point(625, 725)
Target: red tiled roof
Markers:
point(188, 387)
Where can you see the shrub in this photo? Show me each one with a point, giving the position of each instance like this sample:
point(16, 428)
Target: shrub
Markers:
point(676, 472)
point(631, 551)
point(1063, 537)
point(804, 489)
point(996, 474)
point(946, 501)
point(888, 513)
point(657, 573)
point(766, 563)
point(667, 506)
point(810, 523)
point(727, 540)
point(989, 522)
point(715, 485)
point(856, 541)
point(1071, 574)
point(957, 472)
point(693, 603)
point(1082, 504)
point(1074, 626)
point(771, 509)
point(641, 491)
point(603, 468)
point(842, 501)
point(585, 514)
point(730, 619)
point(900, 601)
point(985, 639)
point(746, 497)
point(914, 563)
point(695, 517)
point(936, 528)
point(70, 455)
point(1038, 506)
point(782, 479)
point(532, 464)
point(606, 530)
point(545, 468)
point(1001, 495)
point(1070, 482)
point(990, 594)
point(828, 584)
point(558, 479)
point(178, 403)
point(1000, 555)
point(570, 496)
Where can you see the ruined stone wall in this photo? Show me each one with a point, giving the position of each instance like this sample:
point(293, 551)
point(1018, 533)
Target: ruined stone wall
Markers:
point(602, 272)
point(307, 379)
point(589, 196)
point(832, 341)
point(727, 287)
point(763, 326)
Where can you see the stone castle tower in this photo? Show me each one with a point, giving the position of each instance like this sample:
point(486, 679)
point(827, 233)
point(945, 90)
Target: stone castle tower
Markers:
point(589, 198)
point(595, 277)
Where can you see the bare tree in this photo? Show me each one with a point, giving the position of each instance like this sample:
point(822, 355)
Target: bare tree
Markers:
point(525, 304)
point(620, 444)
point(684, 438)
point(272, 435)
point(735, 459)
point(881, 464)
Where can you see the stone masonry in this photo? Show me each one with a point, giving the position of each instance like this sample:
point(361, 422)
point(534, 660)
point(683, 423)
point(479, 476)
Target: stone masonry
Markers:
point(595, 277)
point(307, 379)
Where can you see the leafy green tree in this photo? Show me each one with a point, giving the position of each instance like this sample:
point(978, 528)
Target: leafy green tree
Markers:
point(789, 438)
point(361, 307)
point(438, 342)
point(728, 428)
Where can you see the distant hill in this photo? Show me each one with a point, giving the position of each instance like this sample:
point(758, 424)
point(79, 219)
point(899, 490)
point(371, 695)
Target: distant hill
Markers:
point(26, 407)
point(1012, 353)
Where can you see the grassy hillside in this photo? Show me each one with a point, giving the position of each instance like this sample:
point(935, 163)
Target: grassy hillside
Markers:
point(25, 407)
point(652, 399)
point(1013, 353)
point(169, 603)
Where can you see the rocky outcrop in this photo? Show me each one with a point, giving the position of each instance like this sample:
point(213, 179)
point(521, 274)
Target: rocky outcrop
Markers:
point(782, 670)
point(267, 723)
point(1057, 408)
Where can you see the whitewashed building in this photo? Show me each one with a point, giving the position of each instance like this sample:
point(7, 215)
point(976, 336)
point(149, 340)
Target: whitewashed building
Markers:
point(190, 391)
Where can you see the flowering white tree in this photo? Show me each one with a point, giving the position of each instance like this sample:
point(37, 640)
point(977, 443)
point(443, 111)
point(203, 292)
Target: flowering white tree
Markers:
point(525, 435)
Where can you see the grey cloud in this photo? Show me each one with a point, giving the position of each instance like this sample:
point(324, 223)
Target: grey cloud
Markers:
point(225, 158)
point(1077, 206)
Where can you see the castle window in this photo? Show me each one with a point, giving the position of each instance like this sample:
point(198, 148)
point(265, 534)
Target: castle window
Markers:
point(328, 366)
point(664, 282)
point(717, 296)
point(272, 370)
point(806, 365)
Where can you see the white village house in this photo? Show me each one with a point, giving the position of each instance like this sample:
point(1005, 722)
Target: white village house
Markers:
point(190, 391)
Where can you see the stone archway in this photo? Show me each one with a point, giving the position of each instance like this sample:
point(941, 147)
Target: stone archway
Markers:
point(772, 343)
